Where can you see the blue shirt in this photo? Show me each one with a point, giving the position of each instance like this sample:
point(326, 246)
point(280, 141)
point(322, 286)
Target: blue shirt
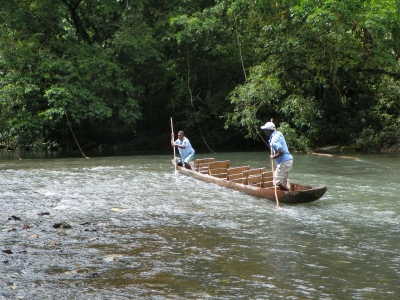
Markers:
point(277, 142)
point(188, 150)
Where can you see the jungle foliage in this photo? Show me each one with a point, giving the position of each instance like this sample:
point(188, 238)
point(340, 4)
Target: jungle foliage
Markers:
point(115, 71)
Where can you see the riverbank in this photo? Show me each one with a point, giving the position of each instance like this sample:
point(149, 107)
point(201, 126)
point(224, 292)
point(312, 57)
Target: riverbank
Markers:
point(134, 146)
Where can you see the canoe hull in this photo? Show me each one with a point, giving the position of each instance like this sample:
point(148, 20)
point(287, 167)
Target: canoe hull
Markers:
point(300, 194)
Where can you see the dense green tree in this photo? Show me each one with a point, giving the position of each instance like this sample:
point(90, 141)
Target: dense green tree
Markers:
point(205, 63)
point(70, 60)
point(115, 71)
point(326, 67)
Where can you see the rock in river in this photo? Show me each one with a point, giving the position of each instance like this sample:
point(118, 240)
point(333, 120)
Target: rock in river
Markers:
point(62, 225)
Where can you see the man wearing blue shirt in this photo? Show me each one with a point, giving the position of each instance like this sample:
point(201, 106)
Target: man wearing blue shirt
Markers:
point(283, 159)
point(185, 148)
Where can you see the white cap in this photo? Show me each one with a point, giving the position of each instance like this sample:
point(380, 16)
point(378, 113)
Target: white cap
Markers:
point(268, 126)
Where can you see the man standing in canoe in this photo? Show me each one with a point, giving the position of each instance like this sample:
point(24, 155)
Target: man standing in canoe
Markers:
point(185, 148)
point(283, 159)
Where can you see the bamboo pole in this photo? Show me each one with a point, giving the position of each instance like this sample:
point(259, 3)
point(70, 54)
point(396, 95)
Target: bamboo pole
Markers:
point(172, 130)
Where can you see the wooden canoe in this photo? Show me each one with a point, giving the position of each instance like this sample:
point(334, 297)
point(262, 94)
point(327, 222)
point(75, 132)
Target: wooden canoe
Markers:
point(254, 182)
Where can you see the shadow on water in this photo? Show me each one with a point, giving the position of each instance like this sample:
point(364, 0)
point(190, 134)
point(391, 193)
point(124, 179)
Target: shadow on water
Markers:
point(137, 231)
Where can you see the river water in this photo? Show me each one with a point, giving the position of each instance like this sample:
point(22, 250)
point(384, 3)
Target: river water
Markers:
point(140, 231)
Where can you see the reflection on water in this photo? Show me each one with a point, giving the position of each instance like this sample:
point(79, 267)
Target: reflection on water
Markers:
point(140, 231)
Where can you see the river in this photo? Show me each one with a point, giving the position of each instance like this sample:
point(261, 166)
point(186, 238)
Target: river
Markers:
point(140, 231)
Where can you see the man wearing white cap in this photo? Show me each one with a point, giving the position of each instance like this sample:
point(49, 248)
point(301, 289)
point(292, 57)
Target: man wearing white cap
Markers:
point(283, 159)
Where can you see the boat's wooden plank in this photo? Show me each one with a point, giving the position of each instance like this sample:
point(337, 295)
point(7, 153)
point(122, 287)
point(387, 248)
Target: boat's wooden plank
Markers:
point(251, 175)
point(201, 165)
point(219, 164)
point(218, 171)
point(267, 176)
point(266, 184)
point(204, 160)
point(254, 180)
point(218, 168)
point(220, 175)
point(236, 174)
point(253, 172)
point(238, 180)
point(238, 170)
point(203, 170)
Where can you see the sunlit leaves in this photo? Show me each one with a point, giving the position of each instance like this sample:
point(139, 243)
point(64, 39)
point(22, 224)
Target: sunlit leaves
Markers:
point(262, 91)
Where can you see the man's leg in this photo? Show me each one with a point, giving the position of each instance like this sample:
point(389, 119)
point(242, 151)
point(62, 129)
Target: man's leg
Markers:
point(282, 174)
point(188, 159)
point(283, 187)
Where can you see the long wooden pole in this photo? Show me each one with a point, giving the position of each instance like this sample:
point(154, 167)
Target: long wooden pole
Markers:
point(172, 130)
point(273, 172)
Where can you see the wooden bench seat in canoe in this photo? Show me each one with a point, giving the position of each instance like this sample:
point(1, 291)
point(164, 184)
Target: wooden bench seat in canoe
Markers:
point(267, 179)
point(219, 168)
point(253, 176)
point(236, 174)
point(201, 165)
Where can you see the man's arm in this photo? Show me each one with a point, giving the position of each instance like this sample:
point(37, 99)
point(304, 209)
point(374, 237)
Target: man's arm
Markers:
point(183, 146)
point(176, 145)
point(279, 154)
